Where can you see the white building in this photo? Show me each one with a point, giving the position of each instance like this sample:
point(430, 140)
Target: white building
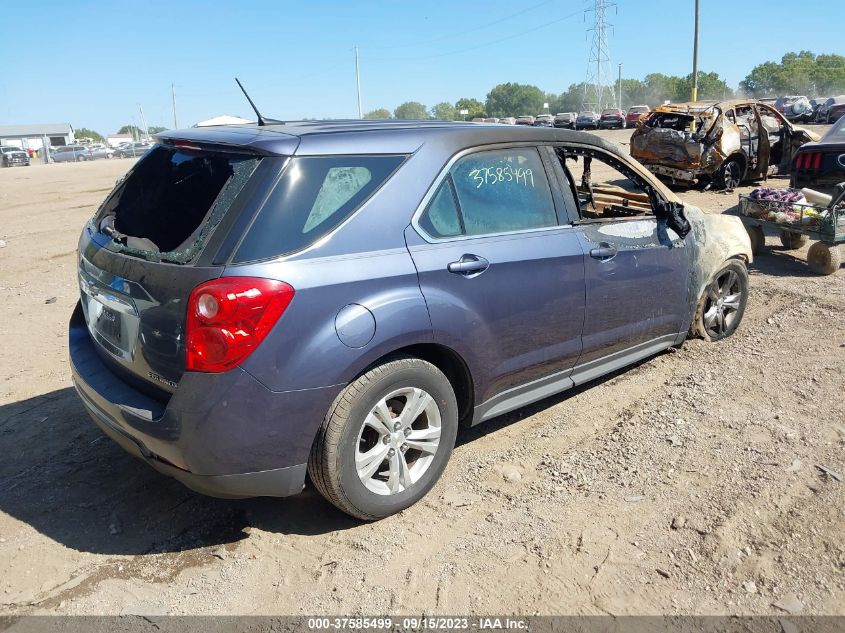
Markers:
point(31, 136)
point(113, 140)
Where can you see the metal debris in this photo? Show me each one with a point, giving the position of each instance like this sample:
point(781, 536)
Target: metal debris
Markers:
point(832, 473)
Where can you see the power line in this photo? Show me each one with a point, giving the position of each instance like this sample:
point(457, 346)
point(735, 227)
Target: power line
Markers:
point(460, 33)
point(490, 43)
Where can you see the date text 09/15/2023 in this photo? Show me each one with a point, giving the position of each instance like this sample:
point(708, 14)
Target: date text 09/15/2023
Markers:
point(417, 624)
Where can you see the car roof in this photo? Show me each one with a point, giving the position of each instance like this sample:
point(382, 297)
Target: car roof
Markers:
point(373, 137)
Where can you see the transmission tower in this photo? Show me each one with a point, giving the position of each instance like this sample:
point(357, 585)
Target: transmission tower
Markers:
point(598, 87)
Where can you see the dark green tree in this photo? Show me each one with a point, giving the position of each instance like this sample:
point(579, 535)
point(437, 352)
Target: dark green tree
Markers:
point(474, 108)
point(710, 86)
point(444, 111)
point(411, 110)
point(134, 130)
point(512, 99)
point(379, 113)
point(797, 73)
point(84, 132)
point(155, 129)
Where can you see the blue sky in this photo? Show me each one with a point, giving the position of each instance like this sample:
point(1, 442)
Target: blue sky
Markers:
point(91, 63)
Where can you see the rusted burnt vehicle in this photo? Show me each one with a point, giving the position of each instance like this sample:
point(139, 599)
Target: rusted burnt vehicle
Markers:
point(719, 143)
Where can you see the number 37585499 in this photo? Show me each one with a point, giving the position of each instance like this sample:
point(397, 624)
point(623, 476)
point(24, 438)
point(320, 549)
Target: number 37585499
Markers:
point(494, 175)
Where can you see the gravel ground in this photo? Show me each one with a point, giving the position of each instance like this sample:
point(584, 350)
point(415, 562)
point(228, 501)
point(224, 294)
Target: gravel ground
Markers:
point(688, 484)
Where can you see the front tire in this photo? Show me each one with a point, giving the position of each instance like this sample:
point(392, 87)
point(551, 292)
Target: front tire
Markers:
point(722, 304)
point(386, 439)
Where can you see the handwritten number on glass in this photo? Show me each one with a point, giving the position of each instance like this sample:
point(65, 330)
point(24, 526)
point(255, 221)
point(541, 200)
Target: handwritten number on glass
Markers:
point(493, 175)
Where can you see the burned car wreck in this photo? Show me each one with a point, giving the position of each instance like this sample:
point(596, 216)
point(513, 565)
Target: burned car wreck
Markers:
point(717, 143)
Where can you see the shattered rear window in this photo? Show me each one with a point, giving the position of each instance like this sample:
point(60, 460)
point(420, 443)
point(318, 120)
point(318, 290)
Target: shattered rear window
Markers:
point(171, 201)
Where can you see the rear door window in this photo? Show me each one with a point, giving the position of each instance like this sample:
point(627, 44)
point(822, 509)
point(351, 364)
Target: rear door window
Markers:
point(489, 192)
point(314, 195)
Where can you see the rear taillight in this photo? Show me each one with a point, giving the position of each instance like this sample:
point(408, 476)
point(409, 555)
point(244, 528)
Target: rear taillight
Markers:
point(809, 160)
point(229, 317)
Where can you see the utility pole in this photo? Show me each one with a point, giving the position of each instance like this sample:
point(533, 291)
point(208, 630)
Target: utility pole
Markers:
point(620, 86)
point(694, 94)
point(358, 83)
point(144, 123)
point(173, 94)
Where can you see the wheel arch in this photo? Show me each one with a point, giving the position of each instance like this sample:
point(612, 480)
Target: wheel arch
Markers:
point(741, 157)
point(447, 360)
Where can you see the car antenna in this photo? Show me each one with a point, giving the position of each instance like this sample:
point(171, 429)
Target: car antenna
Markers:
point(261, 120)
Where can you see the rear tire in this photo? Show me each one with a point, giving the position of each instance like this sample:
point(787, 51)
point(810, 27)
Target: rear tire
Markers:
point(793, 241)
point(757, 238)
point(722, 304)
point(370, 458)
point(731, 175)
point(824, 259)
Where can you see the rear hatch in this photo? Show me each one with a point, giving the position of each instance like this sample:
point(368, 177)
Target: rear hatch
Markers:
point(675, 139)
point(159, 234)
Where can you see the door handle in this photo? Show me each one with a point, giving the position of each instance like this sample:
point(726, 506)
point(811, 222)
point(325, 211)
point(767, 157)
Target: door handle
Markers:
point(468, 265)
point(604, 252)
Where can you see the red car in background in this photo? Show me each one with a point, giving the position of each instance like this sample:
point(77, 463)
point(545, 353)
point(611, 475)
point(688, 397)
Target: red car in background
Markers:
point(635, 113)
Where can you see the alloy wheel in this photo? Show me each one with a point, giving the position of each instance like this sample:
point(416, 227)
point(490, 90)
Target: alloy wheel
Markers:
point(397, 441)
point(721, 309)
point(732, 175)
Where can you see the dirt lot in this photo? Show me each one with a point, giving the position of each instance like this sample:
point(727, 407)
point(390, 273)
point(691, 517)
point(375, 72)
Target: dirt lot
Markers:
point(687, 484)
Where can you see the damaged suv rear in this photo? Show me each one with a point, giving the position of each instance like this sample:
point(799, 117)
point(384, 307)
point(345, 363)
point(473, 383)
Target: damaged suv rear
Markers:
point(719, 143)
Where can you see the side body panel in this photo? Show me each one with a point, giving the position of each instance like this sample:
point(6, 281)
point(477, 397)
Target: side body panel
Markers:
point(518, 321)
point(640, 294)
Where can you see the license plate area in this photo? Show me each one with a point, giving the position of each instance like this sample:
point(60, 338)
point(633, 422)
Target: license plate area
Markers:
point(108, 325)
point(111, 318)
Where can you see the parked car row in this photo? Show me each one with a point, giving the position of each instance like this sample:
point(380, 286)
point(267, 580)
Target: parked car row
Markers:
point(131, 150)
point(79, 153)
point(607, 119)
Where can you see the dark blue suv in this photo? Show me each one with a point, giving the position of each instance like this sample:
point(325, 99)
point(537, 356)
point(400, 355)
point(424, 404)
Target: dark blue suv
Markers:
point(335, 298)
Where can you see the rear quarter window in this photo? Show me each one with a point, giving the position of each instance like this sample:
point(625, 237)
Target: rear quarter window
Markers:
point(314, 195)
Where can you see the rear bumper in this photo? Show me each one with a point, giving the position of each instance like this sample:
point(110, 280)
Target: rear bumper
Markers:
point(224, 435)
point(679, 175)
point(279, 482)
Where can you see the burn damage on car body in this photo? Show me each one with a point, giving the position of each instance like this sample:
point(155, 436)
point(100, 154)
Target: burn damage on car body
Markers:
point(692, 143)
point(712, 239)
